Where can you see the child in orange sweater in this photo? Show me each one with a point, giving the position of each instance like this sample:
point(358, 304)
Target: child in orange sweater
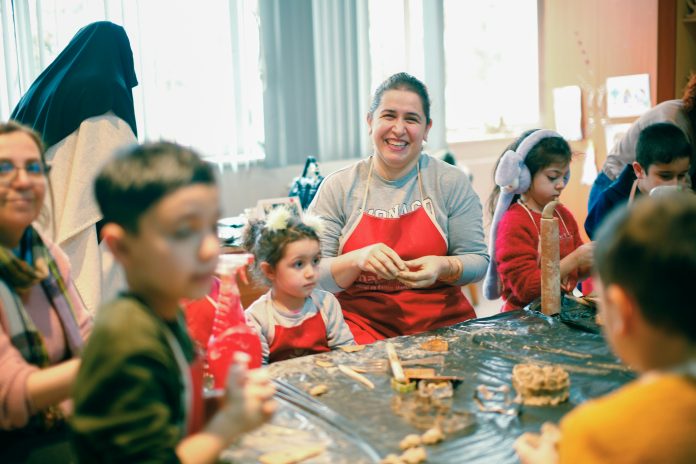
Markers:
point(646, 261)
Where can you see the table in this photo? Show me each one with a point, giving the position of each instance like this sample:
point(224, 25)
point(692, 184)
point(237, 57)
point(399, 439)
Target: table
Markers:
point(358, 425)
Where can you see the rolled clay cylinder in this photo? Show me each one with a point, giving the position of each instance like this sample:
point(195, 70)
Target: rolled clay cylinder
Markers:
point(550, 262)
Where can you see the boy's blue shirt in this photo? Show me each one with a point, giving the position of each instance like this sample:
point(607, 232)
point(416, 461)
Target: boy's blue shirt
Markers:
point(614, 195)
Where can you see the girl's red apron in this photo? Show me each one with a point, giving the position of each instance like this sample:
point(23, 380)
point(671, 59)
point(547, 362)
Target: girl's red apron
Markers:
point(375, 308)
point(306, 338)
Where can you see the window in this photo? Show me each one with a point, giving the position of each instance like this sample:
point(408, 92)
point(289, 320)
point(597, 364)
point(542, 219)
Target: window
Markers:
point(492, 68)
point(396, 39)
point(198, 69)
point(491, 55)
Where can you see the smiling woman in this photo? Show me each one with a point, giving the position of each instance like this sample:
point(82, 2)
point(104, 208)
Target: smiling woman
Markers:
point(404, 230)
point(43, 322)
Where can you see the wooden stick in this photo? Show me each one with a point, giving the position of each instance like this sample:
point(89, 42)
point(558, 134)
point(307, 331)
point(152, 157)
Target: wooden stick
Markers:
point(395, 364)
point(550, 261)
point(355, 376)
point(291, 455)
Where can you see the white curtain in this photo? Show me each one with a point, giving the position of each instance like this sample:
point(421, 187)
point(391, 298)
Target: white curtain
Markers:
point(198, 65)
point(343, 77)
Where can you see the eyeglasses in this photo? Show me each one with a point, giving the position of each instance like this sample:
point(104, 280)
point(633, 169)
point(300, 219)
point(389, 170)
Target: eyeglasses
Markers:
point(9, 172)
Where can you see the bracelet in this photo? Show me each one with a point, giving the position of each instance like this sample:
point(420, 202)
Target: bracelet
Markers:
point(454, 272)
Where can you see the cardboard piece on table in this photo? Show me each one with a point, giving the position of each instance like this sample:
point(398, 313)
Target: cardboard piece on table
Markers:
point(435, 344)
point(419, 373)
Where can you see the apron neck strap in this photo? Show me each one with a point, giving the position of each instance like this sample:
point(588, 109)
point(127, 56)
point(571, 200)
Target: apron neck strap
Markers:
point(632, 195)
point(369, 179)
point(524, 206)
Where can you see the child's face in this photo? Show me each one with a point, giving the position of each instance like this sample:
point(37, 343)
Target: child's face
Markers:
point(295, 274)
point(547, 185)
point(175, 251)
point(674, 173)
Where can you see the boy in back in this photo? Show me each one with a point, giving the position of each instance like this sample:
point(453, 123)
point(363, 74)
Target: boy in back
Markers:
point(137, 396)
point(663, 157)
point(646, 261)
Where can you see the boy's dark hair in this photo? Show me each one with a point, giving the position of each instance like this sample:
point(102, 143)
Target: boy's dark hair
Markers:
point(403, 81)
point(269, 245)
point(649, 250)
point(141, 175)
point(548, 151)
point(662, 142)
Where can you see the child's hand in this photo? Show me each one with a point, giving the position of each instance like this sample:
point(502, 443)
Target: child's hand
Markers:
point(249, 402)
point(584, 257)
point(541, 448)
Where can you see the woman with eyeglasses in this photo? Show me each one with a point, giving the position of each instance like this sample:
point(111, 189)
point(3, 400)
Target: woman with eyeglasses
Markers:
point(43, 322)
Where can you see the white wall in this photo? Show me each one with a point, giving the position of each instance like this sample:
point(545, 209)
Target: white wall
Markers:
point(243, 188)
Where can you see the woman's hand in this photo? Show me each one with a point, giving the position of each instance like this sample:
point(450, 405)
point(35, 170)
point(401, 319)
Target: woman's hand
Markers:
point(424, 271)
point(381, 260)
point(50, 386)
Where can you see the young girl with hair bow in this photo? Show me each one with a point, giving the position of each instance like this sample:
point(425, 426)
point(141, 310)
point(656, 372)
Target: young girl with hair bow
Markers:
point(532, 172)
point(293, 318)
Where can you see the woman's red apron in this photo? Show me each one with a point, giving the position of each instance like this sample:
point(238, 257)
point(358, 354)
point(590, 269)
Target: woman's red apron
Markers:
point(375, 308)
point(293, 342)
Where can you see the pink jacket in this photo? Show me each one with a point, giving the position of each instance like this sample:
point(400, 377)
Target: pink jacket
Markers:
point(15, 405)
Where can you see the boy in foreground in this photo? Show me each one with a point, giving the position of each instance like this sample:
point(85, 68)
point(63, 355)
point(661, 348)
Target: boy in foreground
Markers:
point(646, 261)
point(136, 399)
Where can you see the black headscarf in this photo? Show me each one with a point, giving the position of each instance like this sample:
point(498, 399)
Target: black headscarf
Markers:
point(92, 75)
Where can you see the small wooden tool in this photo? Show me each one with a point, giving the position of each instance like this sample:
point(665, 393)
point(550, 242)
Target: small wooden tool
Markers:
point(395, 364)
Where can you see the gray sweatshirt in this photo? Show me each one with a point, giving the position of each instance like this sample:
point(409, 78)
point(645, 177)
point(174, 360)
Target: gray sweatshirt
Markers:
point(447, 194)
point(624, 152)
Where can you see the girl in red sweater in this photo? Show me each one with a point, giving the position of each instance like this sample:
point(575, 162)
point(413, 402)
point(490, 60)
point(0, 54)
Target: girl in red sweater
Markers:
point(532, 172)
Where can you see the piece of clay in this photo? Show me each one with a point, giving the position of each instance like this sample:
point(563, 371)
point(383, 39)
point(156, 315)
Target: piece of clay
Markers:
point(414, 455)
point(324, 363)
point(435, 389)
point(432, 436)
point(435, 344)
point(291, 455)
point(318, 390)
point(391, 459)
point(541, 385)
point(410, 441)
point(352, 348)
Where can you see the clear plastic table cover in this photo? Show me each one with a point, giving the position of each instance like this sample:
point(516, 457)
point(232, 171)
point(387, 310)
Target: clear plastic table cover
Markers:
point(359, 425)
